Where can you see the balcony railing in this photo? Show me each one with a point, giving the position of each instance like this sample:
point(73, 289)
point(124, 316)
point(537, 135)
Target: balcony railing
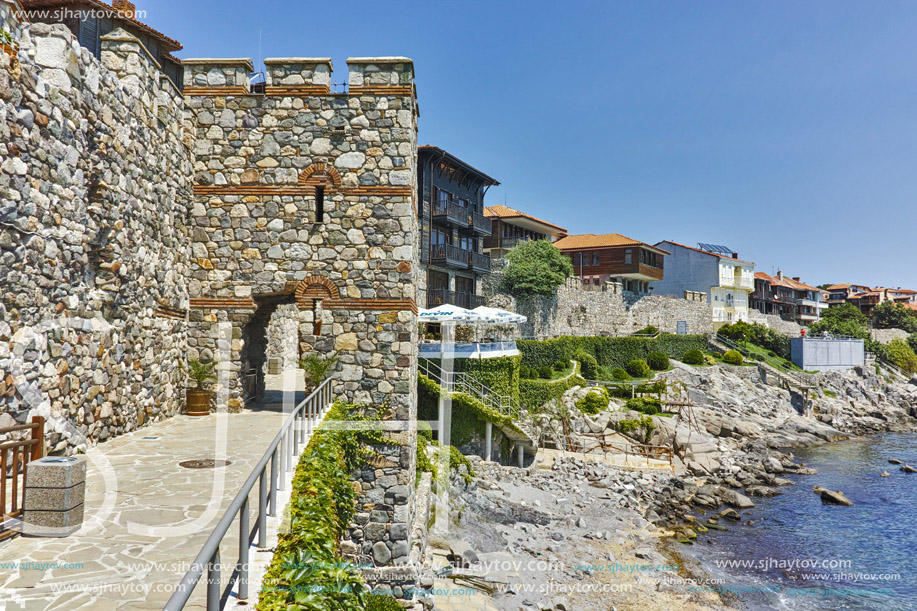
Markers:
point(461, 299)
point(481, 224)
point(479, 263)
point(459, 258)
point(450, 256)
point(466, 218)
point(506, 243)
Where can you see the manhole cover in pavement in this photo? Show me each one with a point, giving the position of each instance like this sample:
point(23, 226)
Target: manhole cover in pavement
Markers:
point(206, 463)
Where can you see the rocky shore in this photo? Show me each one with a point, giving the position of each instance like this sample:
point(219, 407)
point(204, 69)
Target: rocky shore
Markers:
point(606, 538)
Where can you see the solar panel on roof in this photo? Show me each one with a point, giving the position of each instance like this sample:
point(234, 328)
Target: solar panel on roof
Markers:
point(716, 248)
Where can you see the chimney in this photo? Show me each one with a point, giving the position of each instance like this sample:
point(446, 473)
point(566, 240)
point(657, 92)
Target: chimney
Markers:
point(779, 275)
point(124, 8)
point(797, 278)
point(735, 255)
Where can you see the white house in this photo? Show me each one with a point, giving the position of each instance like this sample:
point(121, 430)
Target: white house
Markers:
point(715, 270)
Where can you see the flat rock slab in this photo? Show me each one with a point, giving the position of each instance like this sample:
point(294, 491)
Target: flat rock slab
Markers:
point(146, 518)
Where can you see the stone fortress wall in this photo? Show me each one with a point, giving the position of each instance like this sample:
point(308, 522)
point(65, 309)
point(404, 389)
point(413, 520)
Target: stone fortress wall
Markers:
point(604, 310)
point(95, 179)
point(141, 226)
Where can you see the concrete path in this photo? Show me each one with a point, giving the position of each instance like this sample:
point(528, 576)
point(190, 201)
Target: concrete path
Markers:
point(146, 517)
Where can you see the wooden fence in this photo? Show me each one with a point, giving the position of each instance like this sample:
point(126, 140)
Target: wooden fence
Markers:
point(14, 459)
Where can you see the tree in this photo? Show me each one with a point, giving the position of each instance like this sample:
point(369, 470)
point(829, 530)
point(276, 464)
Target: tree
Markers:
point(844, 319)
point(536, 268)
point(912, 341)
point(890, 315)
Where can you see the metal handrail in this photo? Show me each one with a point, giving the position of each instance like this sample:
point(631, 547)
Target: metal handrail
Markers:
point(461, 382)
point(295, 431)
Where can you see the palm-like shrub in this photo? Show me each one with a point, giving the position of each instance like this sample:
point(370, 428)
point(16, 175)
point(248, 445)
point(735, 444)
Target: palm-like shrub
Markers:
point(317, 367)
point(202, 373)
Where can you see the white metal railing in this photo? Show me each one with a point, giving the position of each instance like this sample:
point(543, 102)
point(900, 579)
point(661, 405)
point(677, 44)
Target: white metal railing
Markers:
point(457, 381)
point(467, 349)
point(295, 432)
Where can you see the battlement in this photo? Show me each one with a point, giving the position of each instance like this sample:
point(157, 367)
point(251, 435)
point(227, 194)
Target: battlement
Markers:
point(308, 75)
point(380, 75)
point(217, 75)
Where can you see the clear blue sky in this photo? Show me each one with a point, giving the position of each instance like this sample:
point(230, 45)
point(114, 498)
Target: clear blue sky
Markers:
point(785, 130)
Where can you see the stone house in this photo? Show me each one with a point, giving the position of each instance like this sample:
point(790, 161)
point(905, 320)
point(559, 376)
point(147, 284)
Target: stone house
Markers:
point(789, 298)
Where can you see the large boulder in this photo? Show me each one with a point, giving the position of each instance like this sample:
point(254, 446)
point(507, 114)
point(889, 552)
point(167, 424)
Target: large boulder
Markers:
point(736, 499)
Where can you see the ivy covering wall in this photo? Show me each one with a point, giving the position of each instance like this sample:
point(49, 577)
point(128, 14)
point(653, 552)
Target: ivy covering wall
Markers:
point(468, 414)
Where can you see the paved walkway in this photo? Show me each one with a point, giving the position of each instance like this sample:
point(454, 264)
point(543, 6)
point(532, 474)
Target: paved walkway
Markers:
point(146, 517)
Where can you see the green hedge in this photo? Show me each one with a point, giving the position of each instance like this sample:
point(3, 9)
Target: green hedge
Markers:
point(306, 564)
point(610, 352)
point(535, 393)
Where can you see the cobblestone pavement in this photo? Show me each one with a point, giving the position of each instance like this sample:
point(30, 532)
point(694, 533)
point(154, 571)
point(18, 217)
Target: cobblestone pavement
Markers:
point(146, 517)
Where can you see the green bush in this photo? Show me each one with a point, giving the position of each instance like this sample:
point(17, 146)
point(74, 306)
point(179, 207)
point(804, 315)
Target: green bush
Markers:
point(759, 335)
point(733, 357)
point(590, 366)
point(535, 393)
point(595, 401)
point(901, 354)
point(638, 368)
point(628, 425)
point(619, 374)
point(378, 602)
point(693, 357)
point(546, 372)
point(658, 361)
point(561, 366)
point(647, 405)
point(650, 330)
point(527, 373)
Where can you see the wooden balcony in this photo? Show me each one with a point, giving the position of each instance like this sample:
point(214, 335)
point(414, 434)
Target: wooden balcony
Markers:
point(465, 218)
point(480, 224)
point(479, 263)
point(450, 212)
point(505, 243)
point(450, 256)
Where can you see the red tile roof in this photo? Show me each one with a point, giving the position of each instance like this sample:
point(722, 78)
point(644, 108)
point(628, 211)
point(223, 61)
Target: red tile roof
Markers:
point(101, 6)
point(505, 212)
point(787, 282)
point(606, 240)
point(706, 252)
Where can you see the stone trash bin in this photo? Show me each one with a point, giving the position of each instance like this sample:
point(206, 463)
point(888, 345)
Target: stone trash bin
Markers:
point(53, 501)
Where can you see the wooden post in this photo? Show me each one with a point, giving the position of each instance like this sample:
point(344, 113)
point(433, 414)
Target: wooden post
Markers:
point(38, 433)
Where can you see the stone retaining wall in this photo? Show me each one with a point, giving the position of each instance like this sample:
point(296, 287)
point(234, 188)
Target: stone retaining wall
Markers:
point(605, 310)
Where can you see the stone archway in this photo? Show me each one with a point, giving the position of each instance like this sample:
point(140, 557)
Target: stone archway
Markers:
point(256, 343)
